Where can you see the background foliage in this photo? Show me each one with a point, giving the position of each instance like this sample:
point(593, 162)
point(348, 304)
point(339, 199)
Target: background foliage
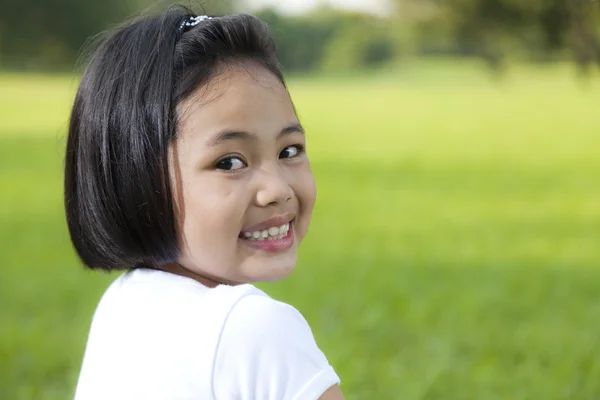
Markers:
point(48, 33)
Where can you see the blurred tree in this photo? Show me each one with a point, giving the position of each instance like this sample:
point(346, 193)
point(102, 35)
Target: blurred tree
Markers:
point(331, 39)
point(300, 40)
point(49, 33)
point(209, 7)
point(494, 29)
point(359, 41)
point(585, 32)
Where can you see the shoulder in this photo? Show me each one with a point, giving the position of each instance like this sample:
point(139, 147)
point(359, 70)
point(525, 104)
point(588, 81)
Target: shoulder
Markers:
point(172, 292)
point(150, 304)
point(267, 350)
point(156, 331)
point(256, 312)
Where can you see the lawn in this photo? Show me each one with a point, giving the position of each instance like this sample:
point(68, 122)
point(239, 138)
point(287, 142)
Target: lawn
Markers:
point(454, 252)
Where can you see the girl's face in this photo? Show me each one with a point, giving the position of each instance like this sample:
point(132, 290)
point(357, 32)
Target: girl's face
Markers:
point(243, 188)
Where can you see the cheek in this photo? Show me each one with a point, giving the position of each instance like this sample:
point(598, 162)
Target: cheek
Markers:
point(311, 190)
point(307, 195)
point(309, 185)
point(212, 214)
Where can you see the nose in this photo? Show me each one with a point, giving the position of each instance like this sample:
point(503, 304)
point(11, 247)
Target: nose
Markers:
point(273, 188)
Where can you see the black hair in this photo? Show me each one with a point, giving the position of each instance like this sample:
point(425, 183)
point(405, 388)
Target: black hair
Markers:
point(118, 194)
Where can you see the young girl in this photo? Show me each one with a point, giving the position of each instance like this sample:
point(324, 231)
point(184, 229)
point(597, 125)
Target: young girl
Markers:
point(186, 167)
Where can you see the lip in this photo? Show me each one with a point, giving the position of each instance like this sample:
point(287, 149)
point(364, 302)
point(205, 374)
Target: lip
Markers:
point(275, 221)
point(276, 245)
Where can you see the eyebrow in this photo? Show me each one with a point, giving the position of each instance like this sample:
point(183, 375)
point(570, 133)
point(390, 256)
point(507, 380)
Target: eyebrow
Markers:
point(226, 136)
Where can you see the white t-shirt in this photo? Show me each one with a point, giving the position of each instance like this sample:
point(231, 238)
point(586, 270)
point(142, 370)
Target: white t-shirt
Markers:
point(156, 335)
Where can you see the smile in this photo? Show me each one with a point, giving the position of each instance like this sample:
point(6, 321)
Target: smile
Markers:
point(275, 238)
point(272, 233)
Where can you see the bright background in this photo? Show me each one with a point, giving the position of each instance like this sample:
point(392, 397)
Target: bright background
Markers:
point(454, 249)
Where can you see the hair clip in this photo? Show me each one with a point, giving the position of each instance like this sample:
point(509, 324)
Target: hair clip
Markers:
point(190, 22)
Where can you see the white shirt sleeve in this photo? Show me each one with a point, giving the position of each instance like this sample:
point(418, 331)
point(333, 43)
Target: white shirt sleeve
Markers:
point(267, 352)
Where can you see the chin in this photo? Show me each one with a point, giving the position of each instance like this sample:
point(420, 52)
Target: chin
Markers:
point(274, 273)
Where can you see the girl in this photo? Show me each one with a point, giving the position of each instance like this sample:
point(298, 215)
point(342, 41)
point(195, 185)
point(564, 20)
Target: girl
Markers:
point(186, 167)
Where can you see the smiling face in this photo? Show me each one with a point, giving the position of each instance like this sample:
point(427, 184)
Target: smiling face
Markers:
point(243, 188)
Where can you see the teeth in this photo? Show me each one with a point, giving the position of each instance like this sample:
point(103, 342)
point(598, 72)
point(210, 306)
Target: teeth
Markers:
point(273, 233)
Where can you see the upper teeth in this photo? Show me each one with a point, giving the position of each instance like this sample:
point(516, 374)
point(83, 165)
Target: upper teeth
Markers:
point(274, 232)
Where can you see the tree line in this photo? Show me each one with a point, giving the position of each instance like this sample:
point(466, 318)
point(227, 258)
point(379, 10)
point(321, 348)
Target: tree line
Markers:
point(497, 30)
point(46, 34)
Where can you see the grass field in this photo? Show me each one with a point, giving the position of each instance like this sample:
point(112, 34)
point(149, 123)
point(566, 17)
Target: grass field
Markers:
point(454, 252)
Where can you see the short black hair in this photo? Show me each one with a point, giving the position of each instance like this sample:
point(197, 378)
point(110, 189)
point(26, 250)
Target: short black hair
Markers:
point(118, 194)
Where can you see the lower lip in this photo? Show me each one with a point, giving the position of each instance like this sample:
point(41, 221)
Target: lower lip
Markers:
point(272, 245)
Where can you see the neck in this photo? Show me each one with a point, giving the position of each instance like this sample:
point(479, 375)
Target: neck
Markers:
point(208, 281)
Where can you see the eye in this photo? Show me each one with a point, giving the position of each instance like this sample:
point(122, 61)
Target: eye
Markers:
point(291, 151)
point(230, 164)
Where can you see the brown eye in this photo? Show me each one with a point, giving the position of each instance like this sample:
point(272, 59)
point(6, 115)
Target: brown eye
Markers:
point(230, 164)
point(291, 151)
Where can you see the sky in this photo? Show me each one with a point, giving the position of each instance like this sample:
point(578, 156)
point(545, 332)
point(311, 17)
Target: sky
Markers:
point(300, 6)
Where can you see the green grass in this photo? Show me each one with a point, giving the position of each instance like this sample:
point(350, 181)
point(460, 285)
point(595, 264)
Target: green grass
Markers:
point(454, 252)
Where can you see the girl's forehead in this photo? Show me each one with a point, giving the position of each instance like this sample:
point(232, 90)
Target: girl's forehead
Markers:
point(237, 94)
point(242, 98)
point(235, 83)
